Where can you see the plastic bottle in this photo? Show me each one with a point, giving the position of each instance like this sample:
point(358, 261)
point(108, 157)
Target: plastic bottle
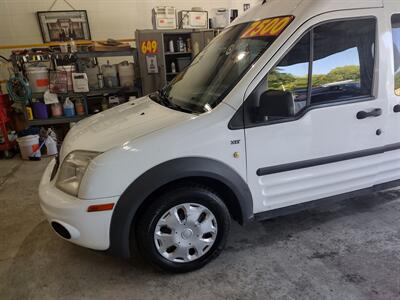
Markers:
point(171, 46)
point(181, 46)
point(29, 113)
point(126, 74)
point(92, 70)
point(69, 110)
point(104, 103)
point(110, 75)
point(173, 67)
point(79, 107)
point(40, 110)
point(56, 109)
point(72, 46)
point(51, 146)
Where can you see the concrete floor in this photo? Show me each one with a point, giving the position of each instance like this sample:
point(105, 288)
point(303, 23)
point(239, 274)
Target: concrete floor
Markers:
point(343, 251)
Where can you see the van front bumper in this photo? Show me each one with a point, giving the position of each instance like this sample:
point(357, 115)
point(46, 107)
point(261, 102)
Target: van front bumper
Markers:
point(69, 218)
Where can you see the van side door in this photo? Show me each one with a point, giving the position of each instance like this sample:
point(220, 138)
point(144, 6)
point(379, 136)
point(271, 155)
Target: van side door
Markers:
point(392, 86)
point(314, 123)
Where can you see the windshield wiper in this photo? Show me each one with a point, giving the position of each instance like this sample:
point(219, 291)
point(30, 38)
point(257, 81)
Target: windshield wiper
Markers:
point(160, 98)
point(166, 101)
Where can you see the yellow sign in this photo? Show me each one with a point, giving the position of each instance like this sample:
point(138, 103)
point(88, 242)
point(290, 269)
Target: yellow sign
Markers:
point(149, 47)
point(267, 27)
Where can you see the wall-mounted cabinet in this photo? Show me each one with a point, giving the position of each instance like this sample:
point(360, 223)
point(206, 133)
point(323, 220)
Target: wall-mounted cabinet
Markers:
point(164, 53)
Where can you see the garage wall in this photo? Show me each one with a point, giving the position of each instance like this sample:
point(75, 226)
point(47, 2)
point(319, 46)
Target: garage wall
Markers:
point(108, 18)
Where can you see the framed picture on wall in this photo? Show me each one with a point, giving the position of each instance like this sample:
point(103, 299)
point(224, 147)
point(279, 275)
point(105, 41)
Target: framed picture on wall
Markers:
point(58, 26)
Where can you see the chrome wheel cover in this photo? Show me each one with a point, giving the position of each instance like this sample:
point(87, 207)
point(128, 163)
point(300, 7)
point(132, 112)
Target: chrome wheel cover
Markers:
point(185, 232)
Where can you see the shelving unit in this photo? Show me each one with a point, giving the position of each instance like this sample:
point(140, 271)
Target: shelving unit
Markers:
point(79, 57)
point(178, 53)
point(172, 57)
point(131, 52)
point(80, 54)
point(97, 92)
point(56, 120)
point(153, 81)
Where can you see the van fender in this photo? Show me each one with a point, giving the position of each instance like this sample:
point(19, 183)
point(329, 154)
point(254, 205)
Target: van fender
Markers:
point(162, 174)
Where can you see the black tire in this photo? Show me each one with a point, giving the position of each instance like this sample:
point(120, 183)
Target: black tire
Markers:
point(148, 220)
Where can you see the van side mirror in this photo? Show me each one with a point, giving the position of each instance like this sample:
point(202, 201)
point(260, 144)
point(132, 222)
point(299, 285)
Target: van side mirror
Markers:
point(274, 104)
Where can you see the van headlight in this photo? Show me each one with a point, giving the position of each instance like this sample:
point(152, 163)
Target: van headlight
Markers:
point(72, 170)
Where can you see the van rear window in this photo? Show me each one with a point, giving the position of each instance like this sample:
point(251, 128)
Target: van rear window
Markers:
point(396, 48)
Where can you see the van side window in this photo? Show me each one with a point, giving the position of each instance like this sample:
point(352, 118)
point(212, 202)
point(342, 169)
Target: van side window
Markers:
point(343, 62)
point(396, 48)
point(341, 57)
point(291, 74)
point(287, 82)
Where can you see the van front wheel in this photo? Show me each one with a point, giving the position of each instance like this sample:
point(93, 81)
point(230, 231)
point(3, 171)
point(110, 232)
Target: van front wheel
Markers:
point(183, 229)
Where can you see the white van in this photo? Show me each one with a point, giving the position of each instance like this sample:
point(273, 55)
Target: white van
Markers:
point(296, 102)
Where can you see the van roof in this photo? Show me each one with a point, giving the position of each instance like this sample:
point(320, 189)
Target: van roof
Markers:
point(302, 8)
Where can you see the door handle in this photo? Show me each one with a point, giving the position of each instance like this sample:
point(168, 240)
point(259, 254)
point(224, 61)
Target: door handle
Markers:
point(368, 114)
point(396, 108)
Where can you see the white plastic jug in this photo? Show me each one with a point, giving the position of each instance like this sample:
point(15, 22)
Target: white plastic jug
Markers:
point(51, 146)
point(110, 75)
point(126, 74)
point(69, 110)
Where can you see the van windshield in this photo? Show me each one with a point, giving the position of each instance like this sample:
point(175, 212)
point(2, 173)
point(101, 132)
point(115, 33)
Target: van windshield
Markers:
point(216, 70)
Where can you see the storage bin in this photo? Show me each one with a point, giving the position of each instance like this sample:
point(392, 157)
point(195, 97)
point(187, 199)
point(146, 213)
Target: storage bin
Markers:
point(182, 62)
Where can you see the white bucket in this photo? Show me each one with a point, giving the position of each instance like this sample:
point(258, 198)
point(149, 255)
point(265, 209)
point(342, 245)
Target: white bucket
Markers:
point(38, 78)
point(29, 146)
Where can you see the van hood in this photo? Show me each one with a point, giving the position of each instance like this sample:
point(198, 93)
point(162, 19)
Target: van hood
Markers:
point(120, 124)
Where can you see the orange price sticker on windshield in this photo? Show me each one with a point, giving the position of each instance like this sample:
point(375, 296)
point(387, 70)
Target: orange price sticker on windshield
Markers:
point(267, 27)
point(149, 47)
